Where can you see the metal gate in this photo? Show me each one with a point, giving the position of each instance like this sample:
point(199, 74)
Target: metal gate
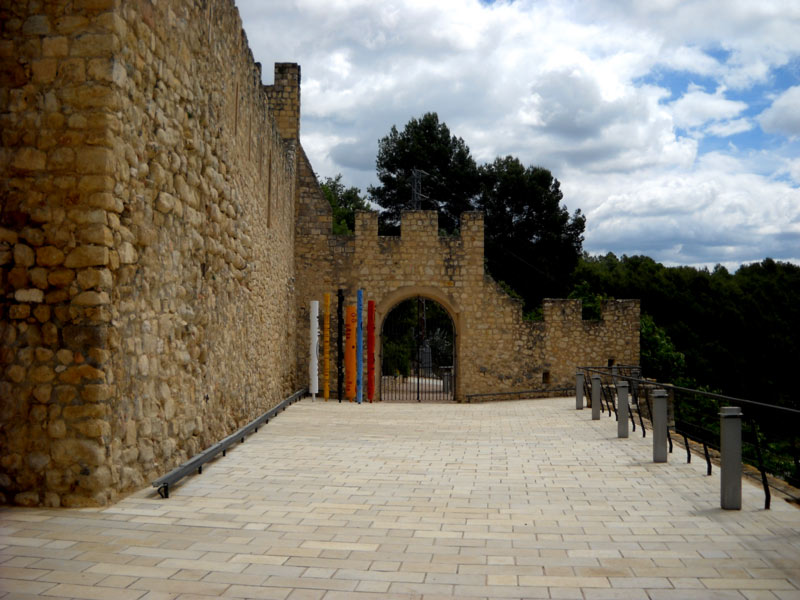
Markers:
point(418, 353)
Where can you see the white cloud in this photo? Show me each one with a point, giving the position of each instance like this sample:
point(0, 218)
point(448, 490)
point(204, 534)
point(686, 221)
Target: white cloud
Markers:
point(697, 108)
point(783, 117)
point(728, 128)
point(560, 85)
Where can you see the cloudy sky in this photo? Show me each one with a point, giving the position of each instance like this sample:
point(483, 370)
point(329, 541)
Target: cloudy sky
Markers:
point(673, 125)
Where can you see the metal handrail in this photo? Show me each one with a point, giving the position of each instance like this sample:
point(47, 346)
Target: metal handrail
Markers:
point(689, 428)
point(198, 460)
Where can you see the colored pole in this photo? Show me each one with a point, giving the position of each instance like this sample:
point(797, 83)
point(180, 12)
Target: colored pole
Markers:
point(350, 353)
point(360, 346)
point(339, 344)
point(326, 347)
point(370, 350)
point(313, 353)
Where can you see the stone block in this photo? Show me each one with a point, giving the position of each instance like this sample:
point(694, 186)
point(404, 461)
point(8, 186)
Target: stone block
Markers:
point(91, 298)
point(61, 158)
point(41, 374)
point(36, 25)
point(56, 46)
point(49, 256)
point(16, 373)
point(82, 337)
point(127, 253)
point(93, 411)
point(94, 44)
point(94, 278)
point(29, 159)
point(94, 160)
point(44, 70)
point(60, 277)
point(93, 428)
point(97, 392)
point(24, 256)
point(19, 311)
point(68, 451)
point(87, 256)
point(29, 295)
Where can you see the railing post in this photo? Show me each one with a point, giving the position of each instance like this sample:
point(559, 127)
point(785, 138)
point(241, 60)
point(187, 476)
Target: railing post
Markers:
point(730, 445)
point(660, 426)
point(579, 391)
point(596, 383)
point(622, 409)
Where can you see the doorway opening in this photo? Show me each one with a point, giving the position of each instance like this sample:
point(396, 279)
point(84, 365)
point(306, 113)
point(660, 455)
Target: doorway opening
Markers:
point(418, 341)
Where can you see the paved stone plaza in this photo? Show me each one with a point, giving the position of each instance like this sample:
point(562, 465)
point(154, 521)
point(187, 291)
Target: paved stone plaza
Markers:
point(526, 499)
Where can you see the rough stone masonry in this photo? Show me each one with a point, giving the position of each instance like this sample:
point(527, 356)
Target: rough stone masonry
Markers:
point(161, 234)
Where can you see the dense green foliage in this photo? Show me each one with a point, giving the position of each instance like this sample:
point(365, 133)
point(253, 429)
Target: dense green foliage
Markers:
point(344, 204)
point(531, 242)
point(450, 181)
point(737, 332)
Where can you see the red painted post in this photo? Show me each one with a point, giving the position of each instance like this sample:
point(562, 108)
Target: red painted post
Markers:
point(370, 350)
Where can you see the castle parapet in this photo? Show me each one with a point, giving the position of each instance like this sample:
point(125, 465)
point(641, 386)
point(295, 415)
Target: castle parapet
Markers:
point(284, 99)
point(419, 224)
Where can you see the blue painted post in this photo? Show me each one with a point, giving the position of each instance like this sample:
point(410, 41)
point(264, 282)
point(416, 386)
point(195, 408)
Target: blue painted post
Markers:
point(360, 346)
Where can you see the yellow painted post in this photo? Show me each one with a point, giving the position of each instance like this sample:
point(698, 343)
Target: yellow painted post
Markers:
point(326, 347)
point(351, 322)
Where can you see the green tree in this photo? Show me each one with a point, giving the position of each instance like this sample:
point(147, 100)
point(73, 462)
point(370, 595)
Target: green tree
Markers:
point(344, 204)
point(450, 181)
point(531, 241)
point(659, 357)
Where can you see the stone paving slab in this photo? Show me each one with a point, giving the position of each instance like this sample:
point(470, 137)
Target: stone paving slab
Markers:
point(525, 499)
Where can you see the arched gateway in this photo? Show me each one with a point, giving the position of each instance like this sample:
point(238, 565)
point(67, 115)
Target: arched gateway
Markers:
point(494, 348)
point(417, 349)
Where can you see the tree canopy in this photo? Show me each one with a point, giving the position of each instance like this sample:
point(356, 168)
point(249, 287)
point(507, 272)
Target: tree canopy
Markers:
point(531, 242)
point(344, 204)
point(449, 182)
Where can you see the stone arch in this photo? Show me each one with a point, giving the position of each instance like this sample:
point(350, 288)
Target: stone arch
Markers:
point(390, 300)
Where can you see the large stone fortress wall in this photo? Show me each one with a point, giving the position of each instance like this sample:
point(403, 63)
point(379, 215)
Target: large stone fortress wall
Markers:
point(146, 241)
point(496, 349)
point(161, 234)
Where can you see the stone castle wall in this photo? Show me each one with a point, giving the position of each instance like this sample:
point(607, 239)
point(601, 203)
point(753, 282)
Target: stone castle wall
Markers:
point(161, 234)
point(496, 349)
point(146, 241)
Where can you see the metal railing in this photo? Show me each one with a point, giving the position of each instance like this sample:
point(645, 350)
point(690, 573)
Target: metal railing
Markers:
point(770, 433)
point(196, 463)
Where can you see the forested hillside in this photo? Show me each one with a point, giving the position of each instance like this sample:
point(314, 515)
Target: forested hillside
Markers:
point(738, 332)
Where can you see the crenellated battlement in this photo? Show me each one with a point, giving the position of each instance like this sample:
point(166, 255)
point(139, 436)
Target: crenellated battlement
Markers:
point(562, 310)
point(423, 225)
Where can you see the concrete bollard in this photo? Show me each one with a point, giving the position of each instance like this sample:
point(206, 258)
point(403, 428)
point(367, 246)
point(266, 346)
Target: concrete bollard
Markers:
point(596, 383)
point(730, 445)
point(660, 426)
point(579, 391)
point(622, 409)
